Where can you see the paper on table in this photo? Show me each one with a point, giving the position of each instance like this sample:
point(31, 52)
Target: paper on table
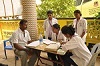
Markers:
point(46, 41)
point(61, 52)
point(34, 44)
point(53, 47)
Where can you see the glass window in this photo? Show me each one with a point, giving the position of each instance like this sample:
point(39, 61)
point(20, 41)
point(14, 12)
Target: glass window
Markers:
point(78, 2)
point(86, 1)
point(1, 8)
point(8, 7)
point(17, 7)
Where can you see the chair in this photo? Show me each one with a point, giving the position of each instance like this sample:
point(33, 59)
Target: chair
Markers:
point(95, 48)
point(93, 59)
point(7, 47)
point(16, 58)
point(95, 52)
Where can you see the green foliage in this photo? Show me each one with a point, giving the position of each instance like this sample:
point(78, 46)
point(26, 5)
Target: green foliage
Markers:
point(98, 15)
point(60, 8)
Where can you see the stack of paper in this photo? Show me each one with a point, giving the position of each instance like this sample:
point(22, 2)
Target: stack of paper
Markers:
point(61, 52)
point(46, 41)
point(53, 47)
point(34, 44)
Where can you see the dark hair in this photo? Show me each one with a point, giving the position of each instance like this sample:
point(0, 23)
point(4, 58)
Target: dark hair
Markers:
point(78, 11)
point(57, 26)
point(23, 21)
point(49, 12)
point(68, 30)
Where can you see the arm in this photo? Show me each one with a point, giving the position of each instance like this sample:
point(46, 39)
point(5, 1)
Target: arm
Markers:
point(15, 42)
point(72, 44)
point(74, 23)
point(84, 28)
point(20, 48)
point(63, 40)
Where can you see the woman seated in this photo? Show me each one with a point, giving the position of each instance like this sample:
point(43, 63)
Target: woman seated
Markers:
point(59, 37)
point(81, 55)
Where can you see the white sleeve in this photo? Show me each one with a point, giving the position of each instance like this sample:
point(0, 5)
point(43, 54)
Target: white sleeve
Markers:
point(73, 23)
point(85, 25)
point(70, 45)
point(64, 38)
point(14, 38)
point(56, 21)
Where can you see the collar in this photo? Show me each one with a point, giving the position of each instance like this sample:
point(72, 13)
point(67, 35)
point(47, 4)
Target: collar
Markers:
point(80, 18)
point(52, 18)
point(59, 32)
point(21, 30)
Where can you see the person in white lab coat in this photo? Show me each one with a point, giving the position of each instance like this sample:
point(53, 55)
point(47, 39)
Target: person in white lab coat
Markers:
point(81, 55)
point(59, 37)
point(80, 25)
point(48, 25)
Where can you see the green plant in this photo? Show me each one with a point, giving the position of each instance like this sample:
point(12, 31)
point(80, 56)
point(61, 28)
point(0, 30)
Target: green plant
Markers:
point(61, 8)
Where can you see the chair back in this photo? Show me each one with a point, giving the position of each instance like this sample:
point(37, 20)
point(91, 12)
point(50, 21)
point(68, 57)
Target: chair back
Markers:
point(95, 48)
point(93, 59)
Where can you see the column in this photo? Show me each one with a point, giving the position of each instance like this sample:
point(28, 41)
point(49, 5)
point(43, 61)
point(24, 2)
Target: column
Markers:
point(29, 13)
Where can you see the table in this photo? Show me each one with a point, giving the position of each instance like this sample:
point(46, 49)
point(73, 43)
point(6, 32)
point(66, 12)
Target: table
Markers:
point(42, 47)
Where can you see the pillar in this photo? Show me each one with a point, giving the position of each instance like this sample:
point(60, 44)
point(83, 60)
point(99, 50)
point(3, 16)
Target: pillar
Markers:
point(29, 13)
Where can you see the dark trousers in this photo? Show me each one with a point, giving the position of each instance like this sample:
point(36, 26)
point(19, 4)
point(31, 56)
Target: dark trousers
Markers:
point(52, 57)
point(67, 60)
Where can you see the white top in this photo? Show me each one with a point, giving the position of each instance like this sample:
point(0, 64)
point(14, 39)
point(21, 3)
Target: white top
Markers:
point(47, 27)
point(81, 55)
point(80, 27)
point(19, 38)
point(59, 37)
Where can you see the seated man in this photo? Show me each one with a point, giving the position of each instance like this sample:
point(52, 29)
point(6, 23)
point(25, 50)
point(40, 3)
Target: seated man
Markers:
point(19, 39)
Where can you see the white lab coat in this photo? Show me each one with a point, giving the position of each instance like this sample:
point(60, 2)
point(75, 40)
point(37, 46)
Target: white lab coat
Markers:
point(47, 27)
point(81, 55)
point(60, 36)
point(81, 27)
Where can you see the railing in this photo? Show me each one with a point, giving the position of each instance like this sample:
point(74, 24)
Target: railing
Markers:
point(93, 32)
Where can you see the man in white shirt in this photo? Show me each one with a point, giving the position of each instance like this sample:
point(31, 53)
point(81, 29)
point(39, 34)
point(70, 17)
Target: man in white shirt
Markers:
point(48, 25)
point(80, 25)
point(19, 39)
point(81, 54)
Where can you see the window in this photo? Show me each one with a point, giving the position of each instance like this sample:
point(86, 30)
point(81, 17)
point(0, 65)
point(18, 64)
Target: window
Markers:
point(86, 1)
point(17, 8)
point(78, 2)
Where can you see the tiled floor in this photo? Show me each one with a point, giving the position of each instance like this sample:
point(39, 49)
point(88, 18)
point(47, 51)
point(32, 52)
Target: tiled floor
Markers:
point(10, 61)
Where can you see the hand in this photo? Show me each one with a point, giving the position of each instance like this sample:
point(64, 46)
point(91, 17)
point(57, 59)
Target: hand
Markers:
point(62, 43)
point(29, 52)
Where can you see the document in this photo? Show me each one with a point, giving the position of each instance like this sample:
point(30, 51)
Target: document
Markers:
point(46, 41)
point(34, 44)
point(53, 47)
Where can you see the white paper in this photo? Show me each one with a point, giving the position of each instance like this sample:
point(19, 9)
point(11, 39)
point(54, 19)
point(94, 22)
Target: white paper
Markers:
point(34, 44)
point(53, 47)
point(46, 41)
point(61, 52)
